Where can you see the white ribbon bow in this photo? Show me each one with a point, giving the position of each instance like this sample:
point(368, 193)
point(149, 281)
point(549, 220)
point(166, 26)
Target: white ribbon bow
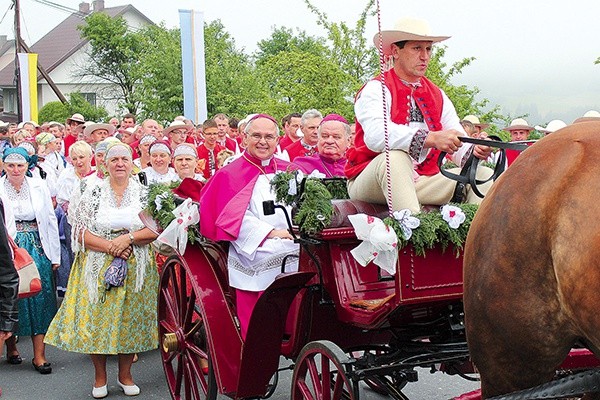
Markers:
point(176, 234)
point(379, 242)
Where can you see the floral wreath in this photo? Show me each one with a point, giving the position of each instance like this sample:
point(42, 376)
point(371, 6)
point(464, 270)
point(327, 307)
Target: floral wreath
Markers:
point(161, 203)
point(311, 197)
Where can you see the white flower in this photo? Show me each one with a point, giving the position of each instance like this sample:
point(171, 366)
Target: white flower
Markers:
point(317, 174)
point(453, 215)
point(407, 222)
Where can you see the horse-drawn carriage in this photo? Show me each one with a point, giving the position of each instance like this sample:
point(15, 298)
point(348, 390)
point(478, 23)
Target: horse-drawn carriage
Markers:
point(338, 322)
point(345, 323)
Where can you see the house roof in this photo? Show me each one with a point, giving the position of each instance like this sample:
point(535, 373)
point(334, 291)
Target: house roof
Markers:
point(61, 42)
point(9, 44)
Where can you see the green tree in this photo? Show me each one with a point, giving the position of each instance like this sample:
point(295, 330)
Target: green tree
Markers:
point(348, 46)
point(284, 39)
point(113, 58)
point(161, 82)
point(57, 111)
point(231, 86)
point(297, 81)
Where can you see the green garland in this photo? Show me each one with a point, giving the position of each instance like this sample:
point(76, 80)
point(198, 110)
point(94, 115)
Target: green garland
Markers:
point(314, 212)
point(311, 199)
point(163, 216)
point(434, 230)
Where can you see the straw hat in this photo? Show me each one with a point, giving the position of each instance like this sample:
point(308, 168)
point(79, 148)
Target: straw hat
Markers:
point(176, 125)
point(475, 121)
point(89, 129)
point(406, 29)
point(552, 126)
point(76, 118)
point(518, 124)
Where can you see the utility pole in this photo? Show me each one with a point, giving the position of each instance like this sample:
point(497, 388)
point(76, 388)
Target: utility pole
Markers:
point(17, 51)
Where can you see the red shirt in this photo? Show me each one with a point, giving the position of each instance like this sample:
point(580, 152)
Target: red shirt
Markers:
point(68, 141)
point(297, 149)
point(211, 164)
point(285, 141)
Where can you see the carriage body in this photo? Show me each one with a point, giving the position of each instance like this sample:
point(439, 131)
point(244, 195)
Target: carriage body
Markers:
point(331, 299)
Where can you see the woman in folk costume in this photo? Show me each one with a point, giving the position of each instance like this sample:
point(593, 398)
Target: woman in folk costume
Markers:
point(37, 232)
point(160, 170)
point(231, 204)
point(110, 313)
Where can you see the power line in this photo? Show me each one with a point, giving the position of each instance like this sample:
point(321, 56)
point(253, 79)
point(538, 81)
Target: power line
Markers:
point(60, 7)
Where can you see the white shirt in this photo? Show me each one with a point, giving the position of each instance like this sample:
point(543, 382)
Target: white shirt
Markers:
point(254, 261)
point(368, 110)
point(154, 177)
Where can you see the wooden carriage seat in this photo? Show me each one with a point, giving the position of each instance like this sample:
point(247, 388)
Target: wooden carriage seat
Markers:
point(343, 208)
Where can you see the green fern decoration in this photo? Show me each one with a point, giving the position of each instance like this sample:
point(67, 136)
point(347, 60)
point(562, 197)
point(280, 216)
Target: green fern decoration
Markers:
point(434, 230)
point(163, 216)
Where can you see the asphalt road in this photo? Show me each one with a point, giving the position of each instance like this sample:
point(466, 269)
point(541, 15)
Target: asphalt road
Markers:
point(72, 379)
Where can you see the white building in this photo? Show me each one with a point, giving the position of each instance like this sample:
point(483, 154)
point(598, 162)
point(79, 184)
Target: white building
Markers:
point(61, 52)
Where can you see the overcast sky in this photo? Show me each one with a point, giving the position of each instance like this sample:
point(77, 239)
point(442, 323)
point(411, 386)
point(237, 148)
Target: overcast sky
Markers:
point(532, 57)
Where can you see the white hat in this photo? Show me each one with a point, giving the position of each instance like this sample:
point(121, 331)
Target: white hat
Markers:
point(177, 125)
point(475, 121)
point(591, 115)
point(76, 117)
point(406, 29)
point(552, 126)
point(518, 124)
point(89, 129)
point(2, 123)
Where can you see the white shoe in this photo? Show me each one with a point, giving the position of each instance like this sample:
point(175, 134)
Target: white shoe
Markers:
point(129, 390)
point(100, 392)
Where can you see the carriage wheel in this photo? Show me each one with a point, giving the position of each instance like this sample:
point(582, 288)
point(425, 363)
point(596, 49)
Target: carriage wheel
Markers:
point(182, 337)
point(320, 374)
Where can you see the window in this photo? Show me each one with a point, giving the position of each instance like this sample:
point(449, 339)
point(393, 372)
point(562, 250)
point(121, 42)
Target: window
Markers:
point(90, 98)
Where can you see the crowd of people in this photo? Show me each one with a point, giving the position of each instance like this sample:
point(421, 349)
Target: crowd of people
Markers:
point(72, 192)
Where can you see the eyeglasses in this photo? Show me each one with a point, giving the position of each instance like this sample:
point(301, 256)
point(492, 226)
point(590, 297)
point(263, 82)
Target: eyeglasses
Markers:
point(268, 138)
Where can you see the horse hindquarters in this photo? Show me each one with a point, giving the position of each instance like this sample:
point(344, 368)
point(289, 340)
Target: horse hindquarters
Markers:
point(516, 330)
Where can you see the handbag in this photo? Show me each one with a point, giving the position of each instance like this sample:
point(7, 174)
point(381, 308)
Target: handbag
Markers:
point(115, 274)
point(30, 283)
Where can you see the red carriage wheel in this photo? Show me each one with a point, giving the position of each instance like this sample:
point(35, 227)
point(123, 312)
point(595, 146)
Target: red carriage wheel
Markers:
point(320, 373)
point(182, 337)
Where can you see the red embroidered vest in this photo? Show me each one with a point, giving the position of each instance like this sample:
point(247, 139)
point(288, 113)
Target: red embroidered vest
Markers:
point(428, 98)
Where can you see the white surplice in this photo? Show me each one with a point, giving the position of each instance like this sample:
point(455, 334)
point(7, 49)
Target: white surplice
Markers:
point(254, 261)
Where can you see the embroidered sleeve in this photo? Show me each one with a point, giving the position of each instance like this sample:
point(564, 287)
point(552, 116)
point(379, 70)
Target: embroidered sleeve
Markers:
point(417, 148)
point(466, 156)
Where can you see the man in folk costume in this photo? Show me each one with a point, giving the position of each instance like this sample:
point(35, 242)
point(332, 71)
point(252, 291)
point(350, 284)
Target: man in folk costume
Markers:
point(231, 204)
point(421, 122)
point(209, 149)
point(334, 139)
point(307, 145)
point(519, 130)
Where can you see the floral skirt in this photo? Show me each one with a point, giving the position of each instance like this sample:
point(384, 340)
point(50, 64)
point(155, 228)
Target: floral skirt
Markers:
point(35, 313)
point(121, 322)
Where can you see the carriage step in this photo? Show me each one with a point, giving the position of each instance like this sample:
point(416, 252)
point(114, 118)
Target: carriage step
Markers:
point(370, 305)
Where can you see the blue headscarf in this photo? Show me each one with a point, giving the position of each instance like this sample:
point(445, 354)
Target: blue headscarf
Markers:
point(19, 154)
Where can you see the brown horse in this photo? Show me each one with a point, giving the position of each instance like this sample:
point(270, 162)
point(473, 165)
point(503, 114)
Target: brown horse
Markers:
point(532, 263)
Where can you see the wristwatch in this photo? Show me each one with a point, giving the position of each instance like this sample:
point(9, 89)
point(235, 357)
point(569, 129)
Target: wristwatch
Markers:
point(131, 238)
